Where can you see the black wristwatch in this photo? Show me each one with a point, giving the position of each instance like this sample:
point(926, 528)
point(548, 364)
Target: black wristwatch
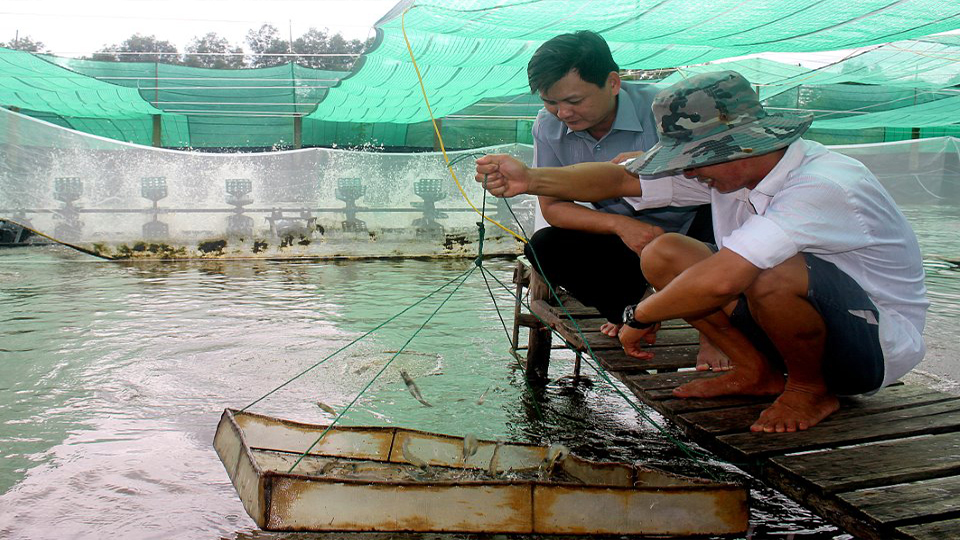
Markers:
point(633, 323)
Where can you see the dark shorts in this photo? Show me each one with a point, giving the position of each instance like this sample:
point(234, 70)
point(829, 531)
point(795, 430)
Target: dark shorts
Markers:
point(852, 358)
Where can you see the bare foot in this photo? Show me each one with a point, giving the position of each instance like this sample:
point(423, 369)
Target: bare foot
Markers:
point(710, 357)
point(796, 410)
point(610, 329)
point(733, 383)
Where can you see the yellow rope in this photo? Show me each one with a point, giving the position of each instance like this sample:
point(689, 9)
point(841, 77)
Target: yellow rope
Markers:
point(440, 138)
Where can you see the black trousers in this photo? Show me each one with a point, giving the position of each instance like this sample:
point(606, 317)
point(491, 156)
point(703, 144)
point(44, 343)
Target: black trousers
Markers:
point(599, 269)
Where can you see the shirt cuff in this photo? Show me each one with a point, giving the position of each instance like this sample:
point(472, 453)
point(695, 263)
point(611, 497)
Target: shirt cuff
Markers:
point(657, 192)
point(761, 242)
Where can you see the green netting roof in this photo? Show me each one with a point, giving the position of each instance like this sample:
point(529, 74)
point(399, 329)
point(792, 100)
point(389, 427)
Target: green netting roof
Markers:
point(480, 48)
point(228, 107)
point(931, 62)
point(29, 82)
point(282, 90)
point(942, 112)
point(473, 56)
point(902, 84)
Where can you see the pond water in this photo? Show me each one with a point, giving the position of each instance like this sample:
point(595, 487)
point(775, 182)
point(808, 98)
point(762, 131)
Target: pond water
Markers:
point(113, 377)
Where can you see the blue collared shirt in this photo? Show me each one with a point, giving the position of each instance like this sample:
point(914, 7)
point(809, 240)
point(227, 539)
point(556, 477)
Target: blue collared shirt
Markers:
point(634, 128)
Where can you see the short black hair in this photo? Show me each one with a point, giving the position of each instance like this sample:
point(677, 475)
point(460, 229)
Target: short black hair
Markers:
point(584, 51)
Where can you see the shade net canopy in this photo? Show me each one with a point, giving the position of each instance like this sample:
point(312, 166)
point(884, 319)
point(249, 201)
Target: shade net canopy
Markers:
point(901, 90)
point(126, 201)
point(47, 91)
point(476, 49)
point(236, 108)
point(473, 56)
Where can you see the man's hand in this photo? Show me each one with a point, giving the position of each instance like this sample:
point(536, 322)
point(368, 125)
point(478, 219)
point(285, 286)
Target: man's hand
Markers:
point(505, 176)
point(633, 340)
point(623, 156)
point(636, 234)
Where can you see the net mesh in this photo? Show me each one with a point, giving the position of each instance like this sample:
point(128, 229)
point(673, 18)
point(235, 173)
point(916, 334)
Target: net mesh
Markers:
point(473, 60)
point(480, 48)
point(125, 201)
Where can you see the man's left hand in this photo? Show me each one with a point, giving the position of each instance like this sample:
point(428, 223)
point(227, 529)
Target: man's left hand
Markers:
point(633, 340)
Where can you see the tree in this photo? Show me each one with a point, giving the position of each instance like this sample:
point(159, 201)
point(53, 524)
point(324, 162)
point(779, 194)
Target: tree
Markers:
point(266, 45)
point(213, 51)
point(25, 43)
point(140, 49)
point(320, 42)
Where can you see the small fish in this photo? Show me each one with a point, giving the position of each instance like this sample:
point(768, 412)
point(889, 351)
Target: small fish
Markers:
point(494, 460)
point(414, 390)
point(412, 459)
point(470, 446)
point(483, 396)
point(326, 408)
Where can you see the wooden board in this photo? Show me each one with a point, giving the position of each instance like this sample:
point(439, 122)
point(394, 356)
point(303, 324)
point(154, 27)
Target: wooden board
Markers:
point(671, 358)
point(926, 419)
point(938, 530)
point(737, 418)
point(902, 502)
point(890, 462)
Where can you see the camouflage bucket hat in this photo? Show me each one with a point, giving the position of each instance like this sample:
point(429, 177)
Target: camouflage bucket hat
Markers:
point(714, 118)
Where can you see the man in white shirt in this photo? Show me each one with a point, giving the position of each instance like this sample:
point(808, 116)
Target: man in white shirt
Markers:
point(815, 286)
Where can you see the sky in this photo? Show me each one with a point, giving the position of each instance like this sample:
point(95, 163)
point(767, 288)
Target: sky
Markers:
point(81, 27)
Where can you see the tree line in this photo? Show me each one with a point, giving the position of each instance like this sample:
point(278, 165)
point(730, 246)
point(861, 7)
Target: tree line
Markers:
point(266, 47)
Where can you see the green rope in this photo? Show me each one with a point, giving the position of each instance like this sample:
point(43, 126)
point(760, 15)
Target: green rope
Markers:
point(691, 453)
point(479, 264)
point(595, 365)
point(465, 275)
point(348, 345)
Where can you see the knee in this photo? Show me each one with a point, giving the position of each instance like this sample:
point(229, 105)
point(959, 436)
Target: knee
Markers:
point(774, 285)
point(663, 258)
point(542, 243)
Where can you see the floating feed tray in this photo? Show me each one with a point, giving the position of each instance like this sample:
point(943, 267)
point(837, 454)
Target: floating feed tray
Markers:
point(399, 480)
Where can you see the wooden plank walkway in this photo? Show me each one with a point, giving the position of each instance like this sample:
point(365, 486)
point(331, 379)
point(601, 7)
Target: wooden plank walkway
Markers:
point(885, 466)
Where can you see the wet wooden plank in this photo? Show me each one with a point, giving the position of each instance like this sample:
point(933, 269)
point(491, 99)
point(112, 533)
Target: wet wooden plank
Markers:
point(705, 411)
point(889, 399)
point(914, 501)
point(666, 338)
point(670, 358)
point(593, 324)
point(938, 530)
point(926, 419)
point(874, 464)
point(574, 307)
point(580, 335)
point(668, 381)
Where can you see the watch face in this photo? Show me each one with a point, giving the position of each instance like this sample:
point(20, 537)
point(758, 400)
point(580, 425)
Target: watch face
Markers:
point(628, 314)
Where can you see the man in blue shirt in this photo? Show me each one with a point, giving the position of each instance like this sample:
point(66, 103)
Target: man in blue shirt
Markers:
point(588, 116)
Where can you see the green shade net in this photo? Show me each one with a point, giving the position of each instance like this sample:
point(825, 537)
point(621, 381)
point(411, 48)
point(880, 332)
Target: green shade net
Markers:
point(931, 62)
point(480, 49)
point(896, 91)
point(69, 99)
point(227, 108)
point(473, 58)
